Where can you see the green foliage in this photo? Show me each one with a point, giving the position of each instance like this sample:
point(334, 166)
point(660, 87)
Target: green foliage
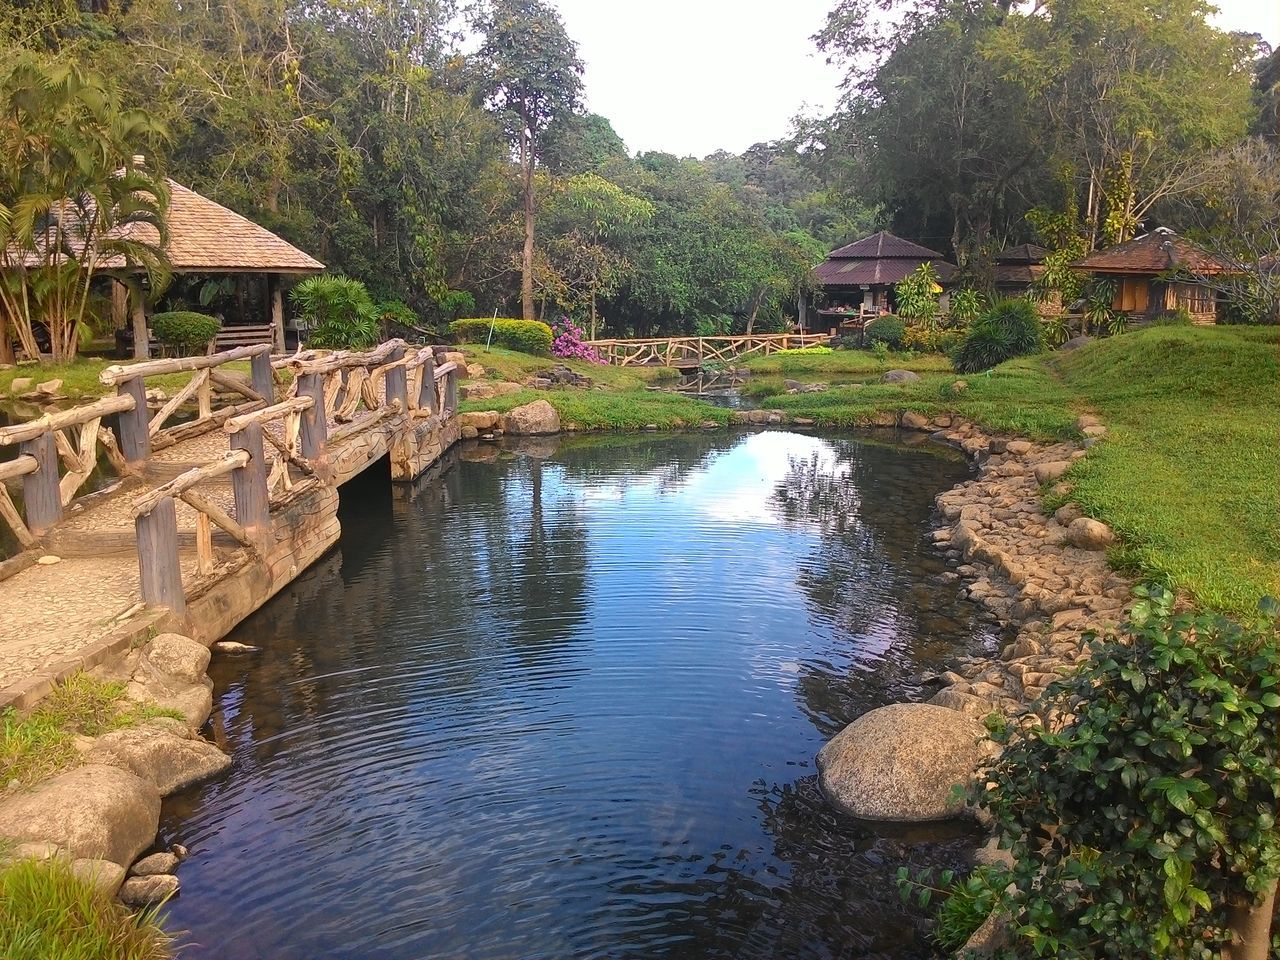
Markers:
point(1010, 328)
point(396, 313)
point(526, 336)
point(814, 351)
point(337, 312)
point(932, 339)
point(1098, 313)
point(880, 350)
point(1176, 318)
point(966, 307)
point(184, 331)
point(888, 330)
point(1057, 329)
point(1161, 788)
point(622, 410)
point(47, 912)
point(71, 197)
point(917, 296)
point(966, 902)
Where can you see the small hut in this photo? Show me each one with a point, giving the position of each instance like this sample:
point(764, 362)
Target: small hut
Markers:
point(207, 238)
point(859, 278)
point(1018, 268)
point(1156, 274)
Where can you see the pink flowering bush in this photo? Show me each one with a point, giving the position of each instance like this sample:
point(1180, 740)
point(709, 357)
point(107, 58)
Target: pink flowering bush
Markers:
point(568, 342)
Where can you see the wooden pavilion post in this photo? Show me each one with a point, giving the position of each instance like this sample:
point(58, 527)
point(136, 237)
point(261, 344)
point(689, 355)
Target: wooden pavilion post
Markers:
point(119, 305)
point(141, 340)
point(276, 295)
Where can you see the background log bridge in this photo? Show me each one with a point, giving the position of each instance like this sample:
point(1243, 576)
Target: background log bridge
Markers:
point(695, 351)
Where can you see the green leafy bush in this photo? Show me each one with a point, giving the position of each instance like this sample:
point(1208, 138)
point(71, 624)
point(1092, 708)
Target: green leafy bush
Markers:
point(396, 312)
point(966, 307)
point(1176, 318)
point(816, 350)
point(1009, 329)
point(185, 332)
point(1146, 819)
point(917, 296)
point(526, 336)
point(887, 330)
point(337, 312)
point(966, 902)
point(932, 339)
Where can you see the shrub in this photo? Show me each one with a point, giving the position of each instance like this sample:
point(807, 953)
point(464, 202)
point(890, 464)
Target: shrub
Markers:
point(932, 340)
point(1009, 329)
point(337, 312)
point(816, 350)
point(966, 905)
point(184, 331)
point(966, 307)
point(917, 296)
point(1176, 318)
point(396, 313)
point(49, 913)
point(887, 330)
point(1160, 786)
point(845, 341)
point(525, 336)
point(568, 343)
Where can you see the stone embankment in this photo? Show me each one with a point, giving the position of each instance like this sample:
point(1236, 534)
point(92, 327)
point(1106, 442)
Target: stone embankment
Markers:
point(101, 815)
point(1044, 577)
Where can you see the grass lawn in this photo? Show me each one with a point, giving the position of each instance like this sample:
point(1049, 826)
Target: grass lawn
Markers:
point(1190, 472)
point(612, 410)
point(80, 378)
point(501, 364)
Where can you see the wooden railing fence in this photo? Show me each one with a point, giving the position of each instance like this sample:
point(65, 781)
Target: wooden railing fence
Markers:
point(695, 351)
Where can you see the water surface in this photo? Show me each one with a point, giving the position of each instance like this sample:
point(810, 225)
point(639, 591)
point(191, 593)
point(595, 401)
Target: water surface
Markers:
point(563, 702)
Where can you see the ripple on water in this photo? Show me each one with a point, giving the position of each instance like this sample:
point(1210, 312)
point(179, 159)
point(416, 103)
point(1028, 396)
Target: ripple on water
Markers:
point(567, 706)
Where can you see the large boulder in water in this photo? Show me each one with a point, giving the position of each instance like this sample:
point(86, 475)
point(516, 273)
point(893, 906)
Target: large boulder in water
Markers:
point(900, 763)
point(532, 419)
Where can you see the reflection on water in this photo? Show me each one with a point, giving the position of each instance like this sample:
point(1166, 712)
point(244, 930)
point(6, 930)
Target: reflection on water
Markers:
point(564, 702)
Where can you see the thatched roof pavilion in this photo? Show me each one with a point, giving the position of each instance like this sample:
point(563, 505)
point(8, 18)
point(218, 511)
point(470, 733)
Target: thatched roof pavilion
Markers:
point(206, 237)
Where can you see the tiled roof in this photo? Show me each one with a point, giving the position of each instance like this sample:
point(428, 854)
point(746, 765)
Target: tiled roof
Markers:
point(839, 273)
point(881, 245)
point(1022, 253)
point(1159, 251)
point(207, 237)
point(1018, 274)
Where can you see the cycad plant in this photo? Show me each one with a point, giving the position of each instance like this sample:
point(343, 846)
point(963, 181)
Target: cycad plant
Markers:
point(75, 200)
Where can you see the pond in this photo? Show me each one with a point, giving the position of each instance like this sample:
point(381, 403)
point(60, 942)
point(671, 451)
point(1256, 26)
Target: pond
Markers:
point(563, 701)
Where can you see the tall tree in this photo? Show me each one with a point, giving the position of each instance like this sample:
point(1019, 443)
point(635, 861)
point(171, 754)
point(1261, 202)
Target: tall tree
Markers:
point(534, 76)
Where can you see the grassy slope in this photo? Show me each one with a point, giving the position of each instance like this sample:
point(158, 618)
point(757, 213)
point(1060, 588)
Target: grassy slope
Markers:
point(1190, 473)
point(80, 378)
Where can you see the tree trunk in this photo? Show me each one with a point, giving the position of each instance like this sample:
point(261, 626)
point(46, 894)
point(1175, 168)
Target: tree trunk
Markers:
point(755, 308)
point(6, 343)
point(1251, 929)
point(141, 344)
point(526, 261)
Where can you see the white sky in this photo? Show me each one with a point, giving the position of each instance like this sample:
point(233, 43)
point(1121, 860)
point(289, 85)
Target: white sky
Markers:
point(693, 76)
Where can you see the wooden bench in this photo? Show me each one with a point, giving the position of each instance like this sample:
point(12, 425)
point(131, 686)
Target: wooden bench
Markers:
point(241, 335)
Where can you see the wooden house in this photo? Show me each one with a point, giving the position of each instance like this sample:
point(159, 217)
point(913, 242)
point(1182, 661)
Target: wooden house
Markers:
point(858, 279)
point(1156, 274)
point(1018, 268)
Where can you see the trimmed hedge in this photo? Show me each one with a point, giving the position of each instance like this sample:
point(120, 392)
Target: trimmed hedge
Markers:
point(887, 330)
point(526, 336)
point(185, 331)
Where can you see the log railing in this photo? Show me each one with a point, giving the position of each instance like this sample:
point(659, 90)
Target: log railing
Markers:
point(334, 396)
point(695, 351)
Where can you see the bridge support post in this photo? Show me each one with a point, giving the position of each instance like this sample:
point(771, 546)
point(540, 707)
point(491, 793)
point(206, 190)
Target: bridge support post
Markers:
point(451, 393)
point(135, 433)
point(159, 567)
point(315, 421)
point(260, 373)
point(41, 496)
point(397, 384)
point(427, 387)
point(249, 485)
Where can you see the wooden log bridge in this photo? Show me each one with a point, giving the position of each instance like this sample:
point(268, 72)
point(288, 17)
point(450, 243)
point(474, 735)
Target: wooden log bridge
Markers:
point(223, 491)
point(688, 353)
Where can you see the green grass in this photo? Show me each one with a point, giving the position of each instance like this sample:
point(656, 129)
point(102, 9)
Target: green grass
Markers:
point(80, 378)
point(1189, 475)
point(842, 361)
point(48, 913)
point(609, 410)
point(42, 743)
point(1022, 397)
point(501, 364)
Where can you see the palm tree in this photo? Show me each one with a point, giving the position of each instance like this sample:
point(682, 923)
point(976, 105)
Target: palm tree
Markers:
point(75, 199)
